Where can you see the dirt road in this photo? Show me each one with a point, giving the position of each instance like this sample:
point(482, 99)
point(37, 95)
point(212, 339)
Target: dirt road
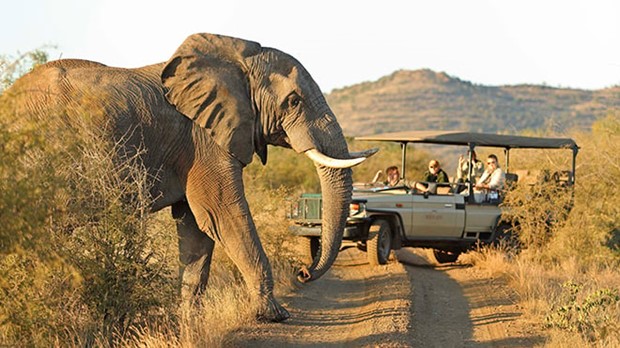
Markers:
point(411, 302)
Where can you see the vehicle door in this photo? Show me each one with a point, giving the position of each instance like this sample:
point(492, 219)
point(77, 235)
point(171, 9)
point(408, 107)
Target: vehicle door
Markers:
point(437, 216)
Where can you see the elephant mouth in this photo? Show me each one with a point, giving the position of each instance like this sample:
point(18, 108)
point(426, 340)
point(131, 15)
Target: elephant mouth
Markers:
point(279, 138)
point(354, 159)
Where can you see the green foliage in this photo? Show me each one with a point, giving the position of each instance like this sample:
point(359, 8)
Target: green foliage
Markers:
point(594, 315)
point(36, 298)
point(538, 210)
point(576, 247)
point(596, 216)
point(269, 209)
point(558, 221)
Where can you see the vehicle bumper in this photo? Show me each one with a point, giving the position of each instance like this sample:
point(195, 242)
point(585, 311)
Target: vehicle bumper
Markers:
point(350, 232)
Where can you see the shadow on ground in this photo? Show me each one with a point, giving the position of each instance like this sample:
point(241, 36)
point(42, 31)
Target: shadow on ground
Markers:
point(440, 310)
point(455, 307)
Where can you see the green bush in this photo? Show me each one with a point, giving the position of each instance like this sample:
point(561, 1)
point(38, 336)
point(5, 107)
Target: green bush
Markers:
point(560, 222)
point(594, 315)
point(538, 211)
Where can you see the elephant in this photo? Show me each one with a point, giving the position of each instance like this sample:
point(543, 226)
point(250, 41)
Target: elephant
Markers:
point(199, 118)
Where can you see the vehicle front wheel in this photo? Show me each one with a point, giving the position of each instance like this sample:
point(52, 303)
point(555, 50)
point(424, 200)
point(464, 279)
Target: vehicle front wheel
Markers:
point(379, 242)
point(445, 256)
point(310, 247)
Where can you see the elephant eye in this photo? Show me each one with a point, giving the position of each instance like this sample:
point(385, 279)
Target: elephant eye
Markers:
point(294, 100)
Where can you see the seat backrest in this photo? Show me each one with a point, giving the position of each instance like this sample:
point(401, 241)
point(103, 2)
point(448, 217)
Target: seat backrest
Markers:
point(444, 190)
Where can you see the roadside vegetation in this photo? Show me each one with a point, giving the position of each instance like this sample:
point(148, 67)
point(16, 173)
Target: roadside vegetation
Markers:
point(82, 263)
point(566, 273)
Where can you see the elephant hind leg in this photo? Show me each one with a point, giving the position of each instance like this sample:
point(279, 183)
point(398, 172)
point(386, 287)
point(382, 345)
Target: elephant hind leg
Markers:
point(195, 253)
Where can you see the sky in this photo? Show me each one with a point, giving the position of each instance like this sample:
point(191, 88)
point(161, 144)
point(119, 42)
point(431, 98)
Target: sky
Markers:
point(569, 43)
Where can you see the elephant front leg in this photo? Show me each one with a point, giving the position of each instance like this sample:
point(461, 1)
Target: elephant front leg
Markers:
point(240, 240)
point(195, 253)
point(231, 225)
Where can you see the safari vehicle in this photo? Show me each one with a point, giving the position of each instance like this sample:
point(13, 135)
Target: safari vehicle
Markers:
point(451, 220)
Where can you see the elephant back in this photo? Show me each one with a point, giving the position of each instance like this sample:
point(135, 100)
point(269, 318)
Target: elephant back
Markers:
point(73, 88)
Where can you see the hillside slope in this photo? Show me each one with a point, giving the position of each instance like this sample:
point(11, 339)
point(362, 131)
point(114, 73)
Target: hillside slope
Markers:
point(424, 99)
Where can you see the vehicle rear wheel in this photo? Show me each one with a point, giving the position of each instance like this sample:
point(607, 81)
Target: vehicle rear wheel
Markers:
point(445, 256)
point(379, 242)
point(310, 247)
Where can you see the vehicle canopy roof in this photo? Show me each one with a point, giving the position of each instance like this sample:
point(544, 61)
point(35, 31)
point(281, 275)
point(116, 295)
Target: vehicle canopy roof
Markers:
point(475, 139)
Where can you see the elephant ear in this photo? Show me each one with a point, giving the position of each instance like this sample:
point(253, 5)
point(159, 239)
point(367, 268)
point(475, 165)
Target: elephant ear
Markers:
point(207, 81)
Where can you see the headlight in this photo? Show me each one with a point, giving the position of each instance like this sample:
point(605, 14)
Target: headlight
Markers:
point(356, 208)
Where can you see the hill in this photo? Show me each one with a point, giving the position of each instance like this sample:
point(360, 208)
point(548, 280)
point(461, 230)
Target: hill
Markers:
point(424, 99)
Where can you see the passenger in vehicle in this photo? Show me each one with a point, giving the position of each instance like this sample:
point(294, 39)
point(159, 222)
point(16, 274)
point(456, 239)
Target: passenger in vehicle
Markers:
point(463, 168)
point(434, 174)
point(393, 177)
point(493, 178)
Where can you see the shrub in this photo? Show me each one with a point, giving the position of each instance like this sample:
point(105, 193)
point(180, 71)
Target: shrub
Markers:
point(79, 263)
point(595, 315)
point(567, 277)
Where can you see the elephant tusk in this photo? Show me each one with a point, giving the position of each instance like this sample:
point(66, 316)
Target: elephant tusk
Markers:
point(365, 153)
point(327, 161)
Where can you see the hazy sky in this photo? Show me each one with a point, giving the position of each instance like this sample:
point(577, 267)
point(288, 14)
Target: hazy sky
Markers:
point(495, 42)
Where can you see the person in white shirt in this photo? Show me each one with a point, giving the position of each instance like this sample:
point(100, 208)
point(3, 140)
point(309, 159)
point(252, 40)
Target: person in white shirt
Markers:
point(462, 170)
point(493, 178)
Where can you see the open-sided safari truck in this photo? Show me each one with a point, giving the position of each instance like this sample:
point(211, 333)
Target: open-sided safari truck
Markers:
point(451, 220)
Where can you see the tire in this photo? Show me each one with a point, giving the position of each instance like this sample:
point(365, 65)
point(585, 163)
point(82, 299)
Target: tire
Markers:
point(311, 247)
point(379, 243)
point(442, 256)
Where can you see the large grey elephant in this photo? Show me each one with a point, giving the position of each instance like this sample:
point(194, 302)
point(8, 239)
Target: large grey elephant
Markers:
point(200, 117)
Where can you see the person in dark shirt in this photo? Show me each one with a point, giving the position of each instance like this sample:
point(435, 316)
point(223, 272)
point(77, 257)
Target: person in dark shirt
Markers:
point(434, 174)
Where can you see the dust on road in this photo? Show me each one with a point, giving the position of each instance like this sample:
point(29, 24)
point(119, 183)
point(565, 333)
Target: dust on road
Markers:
point(412, 302)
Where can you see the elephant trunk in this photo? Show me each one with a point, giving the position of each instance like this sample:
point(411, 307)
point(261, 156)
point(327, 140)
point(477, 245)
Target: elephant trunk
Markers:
point(336, 186)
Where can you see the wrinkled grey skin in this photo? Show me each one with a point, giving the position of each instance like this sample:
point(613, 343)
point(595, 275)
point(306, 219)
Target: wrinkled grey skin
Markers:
point(200, 117)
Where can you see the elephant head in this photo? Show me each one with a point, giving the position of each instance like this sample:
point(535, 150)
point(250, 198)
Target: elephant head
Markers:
point(246, 97)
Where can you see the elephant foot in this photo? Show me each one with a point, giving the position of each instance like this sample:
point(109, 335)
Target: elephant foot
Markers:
point(273, 312)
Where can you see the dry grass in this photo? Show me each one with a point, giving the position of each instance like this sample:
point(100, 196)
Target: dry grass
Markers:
point(225, 309)
point(567, 276)
point(227, 304)
point(84, 265)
